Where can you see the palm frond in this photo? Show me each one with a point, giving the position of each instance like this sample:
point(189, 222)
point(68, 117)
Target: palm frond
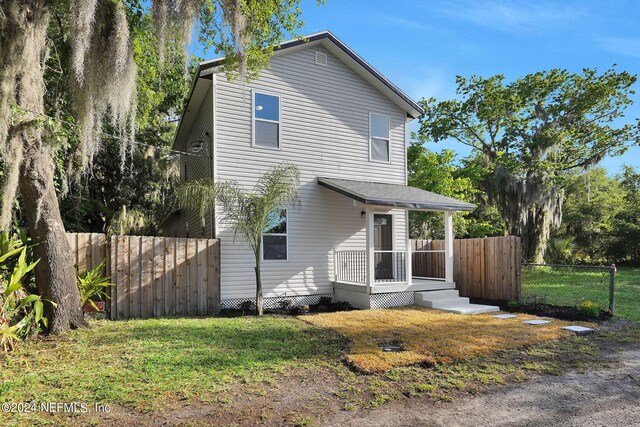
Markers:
point(199, 194)
point(247, 212)
point(279, 186)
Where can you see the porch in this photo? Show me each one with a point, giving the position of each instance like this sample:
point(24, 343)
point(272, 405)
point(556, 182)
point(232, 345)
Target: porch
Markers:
point(393, 271)
point(380, 271)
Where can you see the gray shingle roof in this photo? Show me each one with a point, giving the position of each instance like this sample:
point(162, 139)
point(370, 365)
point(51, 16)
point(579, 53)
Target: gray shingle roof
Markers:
point(376, 193)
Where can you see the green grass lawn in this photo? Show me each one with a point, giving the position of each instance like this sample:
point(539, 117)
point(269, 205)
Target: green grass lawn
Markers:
point(273, 370)
point(147, 365)
point(565, 286)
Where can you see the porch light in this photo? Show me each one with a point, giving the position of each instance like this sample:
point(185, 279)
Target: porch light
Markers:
point(363, 214)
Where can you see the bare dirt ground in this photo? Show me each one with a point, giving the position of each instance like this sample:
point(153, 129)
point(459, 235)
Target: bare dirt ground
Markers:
point(607, 397)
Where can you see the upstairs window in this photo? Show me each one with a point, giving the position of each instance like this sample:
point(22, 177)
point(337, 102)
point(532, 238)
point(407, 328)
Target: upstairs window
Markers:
point(378, 137)
point(266, 120)
point(274, 237)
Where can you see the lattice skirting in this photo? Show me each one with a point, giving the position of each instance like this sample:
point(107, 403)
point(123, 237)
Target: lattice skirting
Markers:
point(273, 302)
point(365, 301)
point(393, 299)
point(357, 299)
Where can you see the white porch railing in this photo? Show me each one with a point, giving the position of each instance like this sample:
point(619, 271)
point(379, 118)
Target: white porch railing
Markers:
point(351, 267)
point(429, 264)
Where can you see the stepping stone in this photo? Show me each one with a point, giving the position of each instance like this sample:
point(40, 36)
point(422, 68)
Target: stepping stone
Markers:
point(580, 330)
point(536, 322)
point(505, 316)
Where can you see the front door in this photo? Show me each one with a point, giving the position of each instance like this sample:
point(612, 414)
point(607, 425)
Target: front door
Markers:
point(383, 241)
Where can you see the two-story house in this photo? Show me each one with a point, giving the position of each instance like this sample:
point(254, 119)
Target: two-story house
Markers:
point(323, 108)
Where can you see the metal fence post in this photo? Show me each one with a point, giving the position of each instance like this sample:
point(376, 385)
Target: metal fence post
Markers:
point(612, 287)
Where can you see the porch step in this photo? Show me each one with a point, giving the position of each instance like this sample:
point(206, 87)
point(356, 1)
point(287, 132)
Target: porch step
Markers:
point(442, 303)
point(436, 295)
point(471, 309)
point(450, 300)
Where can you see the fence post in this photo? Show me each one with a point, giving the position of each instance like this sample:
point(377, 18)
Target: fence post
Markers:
point(612, 287)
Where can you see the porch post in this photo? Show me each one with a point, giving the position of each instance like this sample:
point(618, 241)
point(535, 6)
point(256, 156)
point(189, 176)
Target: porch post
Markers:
point(448, 246)
point(370, 277)
point(409, 254)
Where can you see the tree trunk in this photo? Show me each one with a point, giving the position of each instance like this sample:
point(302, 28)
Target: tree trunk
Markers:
point(55, 275)
point(259, 302)
point(532, 206)
point(535, 231)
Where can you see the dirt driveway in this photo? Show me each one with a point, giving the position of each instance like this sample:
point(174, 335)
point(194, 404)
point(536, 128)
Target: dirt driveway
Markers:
point(607, 397)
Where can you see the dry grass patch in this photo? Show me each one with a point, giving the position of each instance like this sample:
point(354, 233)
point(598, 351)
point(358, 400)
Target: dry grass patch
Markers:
point(430, 336)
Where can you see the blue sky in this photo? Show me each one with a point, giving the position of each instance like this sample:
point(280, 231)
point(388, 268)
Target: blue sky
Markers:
point(422, 45)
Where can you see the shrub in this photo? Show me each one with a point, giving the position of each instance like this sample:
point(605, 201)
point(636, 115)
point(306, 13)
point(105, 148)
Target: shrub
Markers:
point(326, 301)
point(589, 308)
point(93, 285)
point(299, 309)
point(341, 306)
point(533, 301)
point(513, 304)
point(21, 313)
point(247, 306)
point(285, 304)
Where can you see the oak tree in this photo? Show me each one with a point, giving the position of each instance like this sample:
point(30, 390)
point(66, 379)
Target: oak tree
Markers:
point(529, 133)
point(103, 82)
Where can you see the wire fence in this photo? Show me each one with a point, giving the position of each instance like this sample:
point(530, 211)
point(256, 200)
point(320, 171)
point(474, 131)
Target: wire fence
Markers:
point(567, 285)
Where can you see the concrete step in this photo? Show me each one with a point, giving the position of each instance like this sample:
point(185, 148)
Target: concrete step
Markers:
point(436, 295)
point(447, 302)
point(450, 300)
point(470, 309)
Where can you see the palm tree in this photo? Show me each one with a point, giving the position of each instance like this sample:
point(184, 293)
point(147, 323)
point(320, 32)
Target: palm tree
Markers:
point(249, 212)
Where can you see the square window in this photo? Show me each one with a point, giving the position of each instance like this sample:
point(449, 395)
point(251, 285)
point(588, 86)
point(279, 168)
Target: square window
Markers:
point(266, 134)
point(275, 248)
point(267, 107)
point(380, 149)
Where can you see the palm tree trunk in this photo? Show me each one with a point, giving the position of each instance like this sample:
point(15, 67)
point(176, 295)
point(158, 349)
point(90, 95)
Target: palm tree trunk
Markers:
point(259, 302)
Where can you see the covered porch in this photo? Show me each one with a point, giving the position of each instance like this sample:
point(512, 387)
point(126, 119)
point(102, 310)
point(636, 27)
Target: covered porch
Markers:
point(387, 264)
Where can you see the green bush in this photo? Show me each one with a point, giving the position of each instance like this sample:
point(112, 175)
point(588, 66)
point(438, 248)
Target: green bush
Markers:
point(246, 306)
point(536, 302)
point(286, 304)
point(21, 313)
point(589, 308)
point(93, 285)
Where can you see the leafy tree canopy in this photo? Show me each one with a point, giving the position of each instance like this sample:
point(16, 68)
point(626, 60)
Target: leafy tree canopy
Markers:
point(531, 132)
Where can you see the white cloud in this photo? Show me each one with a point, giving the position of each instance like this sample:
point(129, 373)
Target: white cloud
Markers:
point(515, 16)
point(620, 45)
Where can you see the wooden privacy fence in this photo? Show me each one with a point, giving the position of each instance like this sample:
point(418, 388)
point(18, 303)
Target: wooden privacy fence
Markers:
point(487, 268)
point(154, 276)
point(88, 249)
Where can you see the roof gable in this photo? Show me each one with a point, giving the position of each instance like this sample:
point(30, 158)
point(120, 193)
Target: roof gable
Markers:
point(202, 80)
point(344, 54)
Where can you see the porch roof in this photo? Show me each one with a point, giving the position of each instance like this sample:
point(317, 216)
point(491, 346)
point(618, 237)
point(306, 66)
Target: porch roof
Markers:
point(404, 196)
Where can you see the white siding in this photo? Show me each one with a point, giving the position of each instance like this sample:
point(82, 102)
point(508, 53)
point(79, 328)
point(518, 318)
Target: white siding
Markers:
point(325, 132)
point(188, 223)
